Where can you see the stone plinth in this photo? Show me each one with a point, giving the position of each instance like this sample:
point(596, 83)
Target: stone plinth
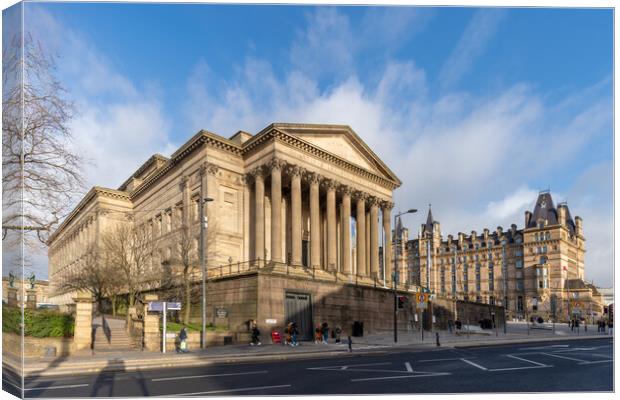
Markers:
point(12, 297)
point(152, 335)
point(31, 299)
point(83, 320)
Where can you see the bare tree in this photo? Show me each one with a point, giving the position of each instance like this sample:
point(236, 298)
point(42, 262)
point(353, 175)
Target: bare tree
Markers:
point(184, 255)
point(129, 249)
point(41, 172)
point(93, 275)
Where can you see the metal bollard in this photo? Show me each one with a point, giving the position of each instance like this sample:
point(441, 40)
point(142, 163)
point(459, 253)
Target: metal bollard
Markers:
point(437, 338)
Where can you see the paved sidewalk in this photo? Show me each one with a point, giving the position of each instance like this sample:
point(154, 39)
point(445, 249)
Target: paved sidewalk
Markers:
point(138, 361)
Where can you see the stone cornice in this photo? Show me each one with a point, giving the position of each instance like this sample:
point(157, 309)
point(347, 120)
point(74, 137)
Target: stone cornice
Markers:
point(96, 191)
point(277, 135)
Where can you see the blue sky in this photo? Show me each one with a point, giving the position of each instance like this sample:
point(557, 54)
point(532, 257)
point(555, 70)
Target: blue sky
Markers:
point(475, 109)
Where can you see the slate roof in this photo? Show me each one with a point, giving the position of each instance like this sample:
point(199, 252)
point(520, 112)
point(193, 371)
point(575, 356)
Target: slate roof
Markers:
point(545, 209)
point(428, 227)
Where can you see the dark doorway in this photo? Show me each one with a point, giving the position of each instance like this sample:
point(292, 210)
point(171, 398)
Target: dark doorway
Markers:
point(298, 309)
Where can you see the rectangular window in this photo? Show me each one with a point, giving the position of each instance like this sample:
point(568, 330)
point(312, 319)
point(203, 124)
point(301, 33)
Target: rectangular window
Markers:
point(491, 281)
point(519, 264)
point(492, 300)
point(520, 284)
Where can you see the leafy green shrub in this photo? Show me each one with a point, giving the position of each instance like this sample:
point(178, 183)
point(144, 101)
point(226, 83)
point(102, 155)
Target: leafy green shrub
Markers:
point(11, 319)
point(38, 323)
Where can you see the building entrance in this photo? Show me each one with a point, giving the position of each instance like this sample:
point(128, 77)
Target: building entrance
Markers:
point(298, 309)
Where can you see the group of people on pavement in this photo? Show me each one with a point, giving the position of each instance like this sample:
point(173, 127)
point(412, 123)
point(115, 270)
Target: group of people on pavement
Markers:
point(291, 334)
point(602, 324)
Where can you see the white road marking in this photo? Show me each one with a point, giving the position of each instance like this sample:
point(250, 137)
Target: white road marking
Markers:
point(515, 368)
point(408, 366)
point(526, 360)
point(595, 362)
point(442, 359)
point(543, 347)
point(564, 357)
point(225, 391)
point(58, 387)
point(417, 375)
point(473, 364)
point(340, 367)
point(11, 383)
point(173, 378)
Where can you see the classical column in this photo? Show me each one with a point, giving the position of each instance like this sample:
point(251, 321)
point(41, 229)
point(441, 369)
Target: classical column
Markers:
point(367, 237)
point(346, 230)
point(374, 233)
point(295, 173)
point(276, 210)
point(259, 211)
point(360, 234)
point(386, 209)
point(315, 221)
point(331, 225)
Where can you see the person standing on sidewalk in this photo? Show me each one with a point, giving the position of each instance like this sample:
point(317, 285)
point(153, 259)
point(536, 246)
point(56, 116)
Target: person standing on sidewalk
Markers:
point(294, 334)
point(325, 332)
point(610, 327)
point(183, 340)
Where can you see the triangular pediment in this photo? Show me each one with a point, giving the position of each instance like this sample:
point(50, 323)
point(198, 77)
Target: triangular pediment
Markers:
point(341, 141)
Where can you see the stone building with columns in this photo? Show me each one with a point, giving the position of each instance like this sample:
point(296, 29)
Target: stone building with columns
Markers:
point(294, 227)
point(530, 271)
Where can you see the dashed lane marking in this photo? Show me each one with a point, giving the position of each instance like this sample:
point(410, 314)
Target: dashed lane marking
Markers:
point(595, 362)
point(58, 387)
point(343, 367)
point(408, 366)
point(226, 391)
point(473, 364)
point(174, 378)
point(416, 375)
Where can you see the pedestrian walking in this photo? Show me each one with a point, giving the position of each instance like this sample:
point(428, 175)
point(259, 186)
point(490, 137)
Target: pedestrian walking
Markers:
point(294, 334)
point(450, 325)
point(325, 332)
point(183, 341)
point(338, 332)
point(288, 332)
point(318, 335)
point(610, 327)
point(255, 334)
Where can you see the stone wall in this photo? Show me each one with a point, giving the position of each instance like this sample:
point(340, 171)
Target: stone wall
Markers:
point(338, 304)
point(37, 347)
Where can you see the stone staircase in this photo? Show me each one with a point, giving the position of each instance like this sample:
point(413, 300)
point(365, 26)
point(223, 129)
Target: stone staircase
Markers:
point(109, 335)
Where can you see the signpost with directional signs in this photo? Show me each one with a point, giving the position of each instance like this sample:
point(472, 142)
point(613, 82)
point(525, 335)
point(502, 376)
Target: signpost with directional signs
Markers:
point(163, 307)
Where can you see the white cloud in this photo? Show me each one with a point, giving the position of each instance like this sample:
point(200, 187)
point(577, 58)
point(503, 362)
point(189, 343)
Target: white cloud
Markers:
point(471, 157)
point(472, 44)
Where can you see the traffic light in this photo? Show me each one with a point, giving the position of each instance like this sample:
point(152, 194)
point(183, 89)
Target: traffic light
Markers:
point(401, 302)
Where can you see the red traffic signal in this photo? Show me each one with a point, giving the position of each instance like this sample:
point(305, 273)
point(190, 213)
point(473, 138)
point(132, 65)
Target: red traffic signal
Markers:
point(401, 301)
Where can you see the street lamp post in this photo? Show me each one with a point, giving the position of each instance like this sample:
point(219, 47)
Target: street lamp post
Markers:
point(395, 277)
point(203, 264)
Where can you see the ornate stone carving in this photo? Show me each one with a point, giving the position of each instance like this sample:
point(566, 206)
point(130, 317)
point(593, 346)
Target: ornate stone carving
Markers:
point(313, 177)
point(387, 205)
point(208, 168)
point(345, 190)
point(276, 163)
point(329, 184)
point(258, 171)
point(295, 170)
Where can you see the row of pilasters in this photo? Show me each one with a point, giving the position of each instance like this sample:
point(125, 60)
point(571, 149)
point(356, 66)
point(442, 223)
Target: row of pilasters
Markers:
point(329, 239)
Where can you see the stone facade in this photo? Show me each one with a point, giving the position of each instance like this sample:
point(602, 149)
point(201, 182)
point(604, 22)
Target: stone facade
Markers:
point(524, 269)
point(298, 201)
